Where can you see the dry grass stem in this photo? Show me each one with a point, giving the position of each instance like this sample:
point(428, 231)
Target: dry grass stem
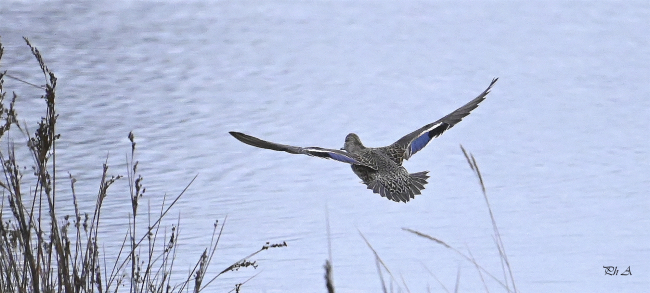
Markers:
point(44, 251)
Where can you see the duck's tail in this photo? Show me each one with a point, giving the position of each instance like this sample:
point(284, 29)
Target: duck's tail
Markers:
point(400, 192)
point(418, 180)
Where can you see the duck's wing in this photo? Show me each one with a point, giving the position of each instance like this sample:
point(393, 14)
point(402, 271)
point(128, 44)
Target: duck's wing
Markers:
point(413, 142)
point(337, 155)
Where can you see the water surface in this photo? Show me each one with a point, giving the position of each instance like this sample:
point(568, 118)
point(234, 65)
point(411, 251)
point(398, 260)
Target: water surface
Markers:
point(561, 140)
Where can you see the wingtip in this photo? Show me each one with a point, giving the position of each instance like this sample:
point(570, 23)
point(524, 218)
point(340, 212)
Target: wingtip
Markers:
point(494, 80)
point(487, 90)
point(238, 135)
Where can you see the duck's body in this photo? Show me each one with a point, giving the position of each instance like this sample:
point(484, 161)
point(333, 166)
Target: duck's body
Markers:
point(383, 173)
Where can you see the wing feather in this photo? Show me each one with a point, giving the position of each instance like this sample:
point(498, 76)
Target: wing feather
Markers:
point(337, 155)
point(417, 140)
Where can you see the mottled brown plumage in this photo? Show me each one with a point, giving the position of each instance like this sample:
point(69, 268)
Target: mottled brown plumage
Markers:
point(380, 169)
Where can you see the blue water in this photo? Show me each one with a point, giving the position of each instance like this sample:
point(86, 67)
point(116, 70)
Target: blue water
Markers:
point(561, 140)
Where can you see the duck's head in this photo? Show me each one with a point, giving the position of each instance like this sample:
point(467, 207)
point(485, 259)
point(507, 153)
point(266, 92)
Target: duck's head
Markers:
point(352, 143)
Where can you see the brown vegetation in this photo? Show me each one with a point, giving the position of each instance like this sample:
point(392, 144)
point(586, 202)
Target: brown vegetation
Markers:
point(43, 251)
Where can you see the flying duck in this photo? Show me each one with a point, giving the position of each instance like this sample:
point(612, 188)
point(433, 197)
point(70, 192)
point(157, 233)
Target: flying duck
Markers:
point(380, 169)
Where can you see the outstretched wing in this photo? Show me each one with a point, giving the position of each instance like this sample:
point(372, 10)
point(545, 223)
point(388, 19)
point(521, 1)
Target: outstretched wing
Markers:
point(413, 142)
point(337, 155)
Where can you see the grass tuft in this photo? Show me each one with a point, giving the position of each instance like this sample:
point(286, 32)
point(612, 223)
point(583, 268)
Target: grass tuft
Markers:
point(44, 251)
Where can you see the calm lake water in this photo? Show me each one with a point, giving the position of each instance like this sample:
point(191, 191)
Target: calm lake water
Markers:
point(562, 140)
